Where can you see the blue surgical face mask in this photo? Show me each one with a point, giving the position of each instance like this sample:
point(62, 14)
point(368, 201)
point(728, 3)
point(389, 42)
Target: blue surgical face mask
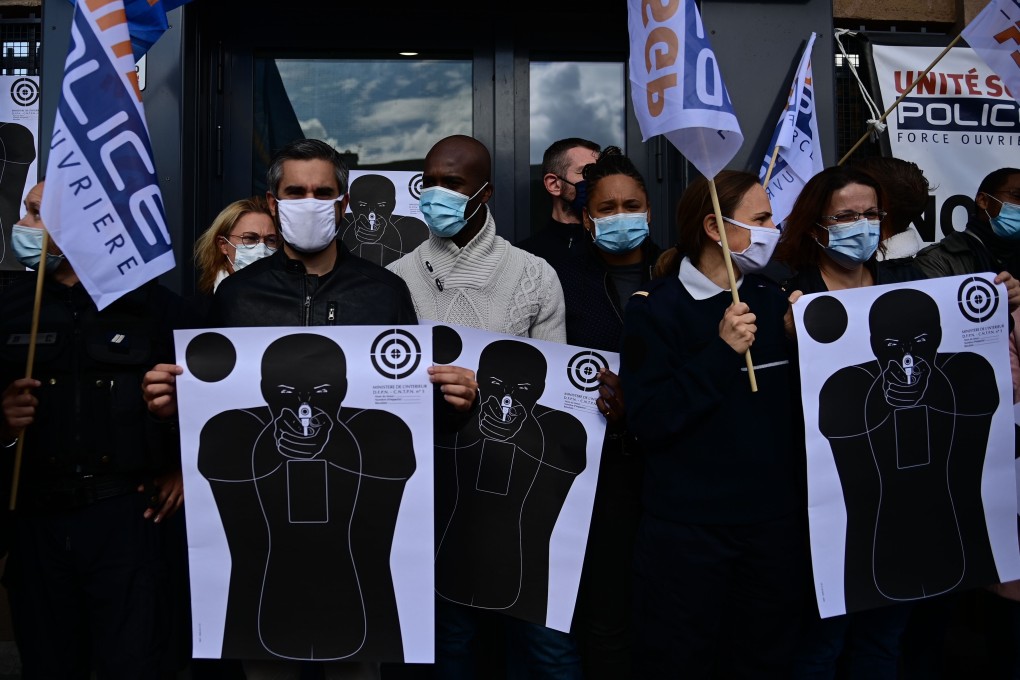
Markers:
point(622, 232)
point(853, 244)
point(443, 210)
point(1007, 223)
point(26, 242)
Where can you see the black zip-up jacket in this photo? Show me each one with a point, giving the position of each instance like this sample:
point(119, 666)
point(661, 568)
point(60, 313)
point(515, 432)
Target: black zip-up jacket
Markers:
point(277, 291)
point(594, 316)
point(91, 424)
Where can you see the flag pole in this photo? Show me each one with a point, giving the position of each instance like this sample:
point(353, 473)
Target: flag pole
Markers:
point(40, 278)
point(729, 271)
point(772, 164)
point(896, 103)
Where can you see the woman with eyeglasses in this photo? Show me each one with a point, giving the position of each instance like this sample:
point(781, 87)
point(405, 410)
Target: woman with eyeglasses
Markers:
point(830, 240)
point(833, 232)
point(242, 233)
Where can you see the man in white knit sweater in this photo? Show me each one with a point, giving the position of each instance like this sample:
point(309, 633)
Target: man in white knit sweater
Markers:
point(465, 274)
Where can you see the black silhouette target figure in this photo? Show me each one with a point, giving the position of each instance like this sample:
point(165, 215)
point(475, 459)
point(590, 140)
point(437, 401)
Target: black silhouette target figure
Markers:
point(501, 482)
point(372, 231)
point(909, 433)
point(308, 491)
point(17, 153)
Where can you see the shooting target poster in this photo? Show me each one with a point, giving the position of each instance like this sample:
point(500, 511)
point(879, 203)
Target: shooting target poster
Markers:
point(19, 128)
point(515, 484)
point(383, 222)
point(908, 416)
point(307, 460)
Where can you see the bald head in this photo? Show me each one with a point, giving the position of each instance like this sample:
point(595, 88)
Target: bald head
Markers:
point(466, 155)
point(460, 163)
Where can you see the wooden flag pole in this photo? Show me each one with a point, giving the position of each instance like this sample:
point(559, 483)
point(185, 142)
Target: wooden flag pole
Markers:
point(772, 165)
point(729, 271)
point(30, 363)
point(901, 97)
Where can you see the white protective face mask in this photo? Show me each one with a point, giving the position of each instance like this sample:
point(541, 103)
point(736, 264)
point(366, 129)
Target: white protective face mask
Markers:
point(244, 256)
point(308, 225)
point(756, 255)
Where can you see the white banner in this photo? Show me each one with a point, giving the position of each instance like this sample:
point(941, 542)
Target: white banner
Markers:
point(102, 203)
point(676, 86)
point(19, 128)
point(958, 125)
point(908, 419)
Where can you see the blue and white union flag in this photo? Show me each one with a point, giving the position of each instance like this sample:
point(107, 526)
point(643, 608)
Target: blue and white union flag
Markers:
point(676, 86)
point(800, 149)
point(102, 203)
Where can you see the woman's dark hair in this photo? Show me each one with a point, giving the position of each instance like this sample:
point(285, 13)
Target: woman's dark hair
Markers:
point(798, 247)
point(610, 162)
point(906, 190)
point(694, 205)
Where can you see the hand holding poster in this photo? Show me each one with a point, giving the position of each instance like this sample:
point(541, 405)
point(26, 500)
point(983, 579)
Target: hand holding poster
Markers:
point(909, 433)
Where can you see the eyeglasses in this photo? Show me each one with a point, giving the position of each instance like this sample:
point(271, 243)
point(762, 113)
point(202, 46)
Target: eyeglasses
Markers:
point(250, 240)
point(847, 216)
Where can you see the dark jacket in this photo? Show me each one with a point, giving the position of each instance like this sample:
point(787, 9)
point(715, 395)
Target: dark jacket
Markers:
point(714, 451)
point(976, 249)
point(277, 291)
point(556, 240)
point(900, 270)
point(91, 427)
point(594, 315)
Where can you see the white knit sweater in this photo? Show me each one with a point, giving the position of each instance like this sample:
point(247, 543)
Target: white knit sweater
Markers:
point(486, 284)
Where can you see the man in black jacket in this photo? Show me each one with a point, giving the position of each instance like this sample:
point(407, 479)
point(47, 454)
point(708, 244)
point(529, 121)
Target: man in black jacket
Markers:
point(562, 164)
point(312, 281)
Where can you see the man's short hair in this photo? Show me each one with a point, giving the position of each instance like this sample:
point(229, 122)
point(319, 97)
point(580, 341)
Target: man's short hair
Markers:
point(554, 160)
point(306, 150)
point(996, 180)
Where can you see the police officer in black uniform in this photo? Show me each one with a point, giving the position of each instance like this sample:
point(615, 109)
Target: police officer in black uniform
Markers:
point(87, 570)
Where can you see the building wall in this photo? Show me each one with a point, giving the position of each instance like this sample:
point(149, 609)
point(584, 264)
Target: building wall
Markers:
point(951, 15)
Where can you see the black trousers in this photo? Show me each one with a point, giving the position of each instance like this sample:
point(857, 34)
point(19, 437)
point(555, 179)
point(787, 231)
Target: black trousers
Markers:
point(88, 589)
point(605, 602)
point(717, 600)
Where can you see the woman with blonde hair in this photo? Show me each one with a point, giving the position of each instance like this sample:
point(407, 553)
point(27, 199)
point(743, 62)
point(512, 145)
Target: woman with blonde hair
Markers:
point(242, 233)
